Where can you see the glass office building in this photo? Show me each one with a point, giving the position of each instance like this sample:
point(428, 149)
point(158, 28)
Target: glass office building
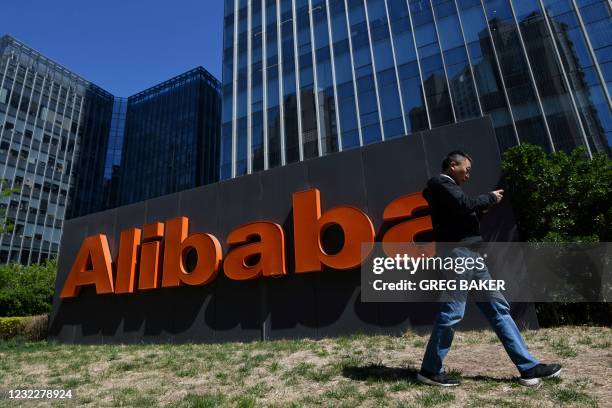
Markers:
point(159, 141)
point(303, 78)
point(45, 113)
point(68, 148)
point(171, 140)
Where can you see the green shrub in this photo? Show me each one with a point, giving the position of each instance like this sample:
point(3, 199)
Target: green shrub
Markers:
point(33, 328)
point(562, 197)
point(27, 290)
point(11, 327)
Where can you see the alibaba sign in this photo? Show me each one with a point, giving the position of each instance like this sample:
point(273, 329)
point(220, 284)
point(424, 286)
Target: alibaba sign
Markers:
point(256, 249)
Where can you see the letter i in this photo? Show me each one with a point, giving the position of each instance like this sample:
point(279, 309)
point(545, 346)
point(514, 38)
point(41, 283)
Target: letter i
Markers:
point(149, 256)
point(126, 260)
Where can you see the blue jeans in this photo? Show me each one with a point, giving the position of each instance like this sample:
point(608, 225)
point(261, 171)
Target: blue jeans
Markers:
point(495, 309)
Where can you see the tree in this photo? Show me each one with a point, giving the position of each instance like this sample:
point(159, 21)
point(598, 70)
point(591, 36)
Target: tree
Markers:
point(5, 225)
point(561, 197)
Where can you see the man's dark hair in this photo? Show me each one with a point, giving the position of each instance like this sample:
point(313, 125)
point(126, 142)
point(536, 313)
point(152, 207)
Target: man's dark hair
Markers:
point(456, 156)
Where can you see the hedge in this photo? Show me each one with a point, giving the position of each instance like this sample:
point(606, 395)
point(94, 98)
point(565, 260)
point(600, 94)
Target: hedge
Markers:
point(27, 290)
point(32, 328)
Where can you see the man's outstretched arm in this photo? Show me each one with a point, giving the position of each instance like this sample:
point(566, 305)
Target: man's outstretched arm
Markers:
point(456, 199)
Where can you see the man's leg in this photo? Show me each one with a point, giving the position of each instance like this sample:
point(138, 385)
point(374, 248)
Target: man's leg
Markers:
point(450, 314)
point(441, 339)
point(497, 312)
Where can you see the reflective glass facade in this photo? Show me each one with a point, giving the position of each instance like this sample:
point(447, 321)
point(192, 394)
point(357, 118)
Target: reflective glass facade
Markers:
point(90, 191)
point(159, 141)
point(303, 78)
point(45, 113)
point(171, 140)
point(112, 163)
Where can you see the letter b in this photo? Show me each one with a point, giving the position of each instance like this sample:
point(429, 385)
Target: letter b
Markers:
point(177, 244)
point(309, 224)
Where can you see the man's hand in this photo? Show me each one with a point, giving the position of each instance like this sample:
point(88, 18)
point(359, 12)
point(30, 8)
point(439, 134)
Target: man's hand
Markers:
point(499, 195)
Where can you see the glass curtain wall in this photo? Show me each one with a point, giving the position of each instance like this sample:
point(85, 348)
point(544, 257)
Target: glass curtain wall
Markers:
point(338, 74)
point(171, 137)
point(45, 113)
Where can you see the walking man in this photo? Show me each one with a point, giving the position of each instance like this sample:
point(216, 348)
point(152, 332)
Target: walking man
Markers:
point(455, 219)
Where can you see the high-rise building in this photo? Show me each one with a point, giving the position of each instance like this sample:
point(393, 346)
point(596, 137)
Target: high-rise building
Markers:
point(303, 78)
point(45, 113)
point(159, 141)
point(68, 148)
point(171, 137)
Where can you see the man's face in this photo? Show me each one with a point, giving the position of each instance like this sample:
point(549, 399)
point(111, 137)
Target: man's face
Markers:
point(460, 171)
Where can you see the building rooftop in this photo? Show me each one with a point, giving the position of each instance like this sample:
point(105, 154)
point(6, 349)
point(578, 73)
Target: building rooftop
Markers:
point(156, 90)
point(7, 41)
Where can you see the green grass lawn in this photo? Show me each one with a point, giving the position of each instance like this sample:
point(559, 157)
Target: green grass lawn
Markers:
point(350, 371)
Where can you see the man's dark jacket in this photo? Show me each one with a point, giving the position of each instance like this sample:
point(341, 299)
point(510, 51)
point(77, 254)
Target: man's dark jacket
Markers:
point(454, 214)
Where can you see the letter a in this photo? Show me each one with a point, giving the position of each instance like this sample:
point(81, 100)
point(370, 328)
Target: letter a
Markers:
point(270, 248)
point(93, 266)
point(309, 224)
point(403, 208)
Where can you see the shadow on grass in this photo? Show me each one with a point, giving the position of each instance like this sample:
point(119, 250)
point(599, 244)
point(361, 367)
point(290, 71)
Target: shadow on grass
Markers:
point(384, 373)
point(380, 373)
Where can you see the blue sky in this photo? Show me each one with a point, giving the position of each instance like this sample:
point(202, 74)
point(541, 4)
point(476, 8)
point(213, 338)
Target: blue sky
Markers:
point(124, 46)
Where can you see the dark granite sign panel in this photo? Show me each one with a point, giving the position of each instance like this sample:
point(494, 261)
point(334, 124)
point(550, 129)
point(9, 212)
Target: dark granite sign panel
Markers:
point(312, 305)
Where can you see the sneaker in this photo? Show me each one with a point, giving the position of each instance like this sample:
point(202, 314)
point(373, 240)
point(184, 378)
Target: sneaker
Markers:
point(440, 380)
point(532, 376)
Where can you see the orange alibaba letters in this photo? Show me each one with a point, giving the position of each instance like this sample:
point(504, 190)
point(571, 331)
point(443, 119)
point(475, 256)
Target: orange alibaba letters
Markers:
point(269, 249)
point(309, 224)
point(92, 267)
point(256, 249)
